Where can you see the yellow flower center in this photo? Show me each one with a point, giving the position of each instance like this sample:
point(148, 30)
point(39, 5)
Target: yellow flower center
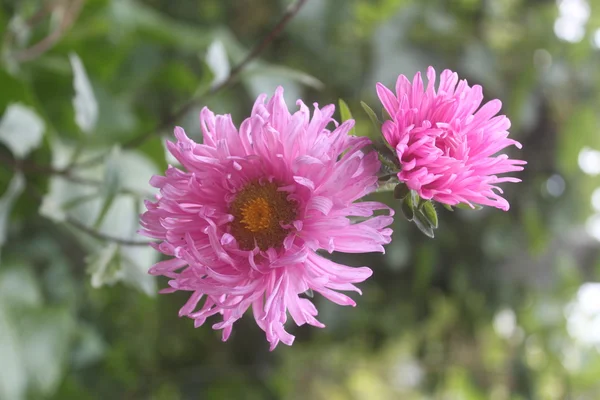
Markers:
point(259, 211)
point(257, 214)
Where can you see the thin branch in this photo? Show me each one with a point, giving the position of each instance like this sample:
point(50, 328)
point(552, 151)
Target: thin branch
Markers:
point(90, 162)
point(73, 222)
point(233, 74)
point(101, 236)
point(70, 15)
point(46, 43)
point(31, 22)
point(28, 166)
point(40, 14)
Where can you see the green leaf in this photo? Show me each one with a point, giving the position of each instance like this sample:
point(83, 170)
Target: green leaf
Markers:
point(154, 149)
point(14, 90)
point(77, 201)
point(181, 80)
point(117, 119)
point(282, 72)
point(122, 221)
point(157, 27)
point(217, 61)
point(104, 266)
point(63, 192)
point(84, 102)
point(111, 186)
point(13, 379)
point(45, 337)
point(15, 188)
point(346, 114)
point(89, 347)
point(21, 130)
point(34, 338)
point(430, 213)
point(19, 287)
point(372, 116)
point(579, 130)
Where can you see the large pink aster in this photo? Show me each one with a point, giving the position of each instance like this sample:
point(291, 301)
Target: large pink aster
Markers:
point(446, 144)
point(244, 220)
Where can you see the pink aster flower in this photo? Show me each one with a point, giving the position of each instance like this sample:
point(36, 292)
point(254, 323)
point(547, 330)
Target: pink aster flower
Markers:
point(446, 143)
point(244, 221)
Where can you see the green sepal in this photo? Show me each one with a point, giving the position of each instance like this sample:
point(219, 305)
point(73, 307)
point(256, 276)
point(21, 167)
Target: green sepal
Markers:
point(345, 114)
point(415, 199)
point(407, 208)
point(372, 116)
point(429, 212)
point(423, 224)
point(401, 191)
point(464, 206)
point(447, 207)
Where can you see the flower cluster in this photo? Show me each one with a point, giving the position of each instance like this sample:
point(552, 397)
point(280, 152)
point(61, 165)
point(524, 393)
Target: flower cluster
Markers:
point(247, 217)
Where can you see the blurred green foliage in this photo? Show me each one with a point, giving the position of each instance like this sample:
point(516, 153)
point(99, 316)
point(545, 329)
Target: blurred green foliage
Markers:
point(487, 310)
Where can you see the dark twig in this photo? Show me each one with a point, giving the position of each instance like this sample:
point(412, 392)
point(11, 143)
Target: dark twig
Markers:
point(27, 166)
point(50, 40)
point(19, 166)
point(101, 236)
point(70, 15)
point(40, 14)
point(233, 74)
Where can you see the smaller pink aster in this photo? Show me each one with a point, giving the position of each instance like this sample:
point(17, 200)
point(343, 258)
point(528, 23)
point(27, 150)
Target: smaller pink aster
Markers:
point(245, 221)
point(446, 143)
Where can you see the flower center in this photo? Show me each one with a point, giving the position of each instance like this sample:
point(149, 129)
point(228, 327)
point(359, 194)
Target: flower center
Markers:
point(257, 215)
point(259, 212)
point(451, 144)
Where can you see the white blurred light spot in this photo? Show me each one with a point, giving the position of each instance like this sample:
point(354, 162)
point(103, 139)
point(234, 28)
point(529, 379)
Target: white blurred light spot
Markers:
point(407, 373)
point(589, 161)
point(588, 297)
point(555, 185)
point(570, 25)
point(578, 10)
point(596, 199)
point(583, 315)
point(592, 226)
point(505, 323)
point(596, 39)
point(568, 30)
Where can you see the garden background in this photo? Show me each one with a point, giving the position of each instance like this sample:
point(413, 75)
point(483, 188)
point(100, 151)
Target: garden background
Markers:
point(497, 306)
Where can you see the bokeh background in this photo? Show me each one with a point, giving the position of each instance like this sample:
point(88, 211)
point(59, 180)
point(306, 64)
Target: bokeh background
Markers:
point(497, 306)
